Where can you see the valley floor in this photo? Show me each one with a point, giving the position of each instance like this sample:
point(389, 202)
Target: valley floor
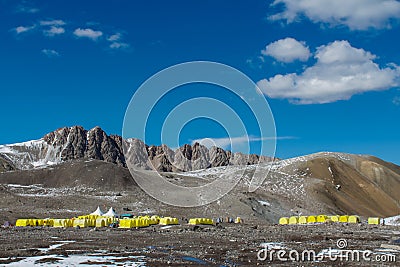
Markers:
point(183, 245)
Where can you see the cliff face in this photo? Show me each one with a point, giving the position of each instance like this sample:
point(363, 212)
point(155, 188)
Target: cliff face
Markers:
point(70, 143)
point(78, 143)
point(187, 157)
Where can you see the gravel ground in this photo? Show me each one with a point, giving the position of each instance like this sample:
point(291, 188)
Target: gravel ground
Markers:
point(183, 245)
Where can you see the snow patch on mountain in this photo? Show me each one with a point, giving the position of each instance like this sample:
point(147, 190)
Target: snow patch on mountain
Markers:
point(32, 154)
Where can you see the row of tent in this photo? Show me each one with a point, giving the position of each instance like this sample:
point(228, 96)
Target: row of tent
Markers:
point(319, 219)
point(327, 219)
point(100, 219)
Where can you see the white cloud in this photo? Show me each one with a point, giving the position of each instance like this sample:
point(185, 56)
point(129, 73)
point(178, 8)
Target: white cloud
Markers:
point(287, 50)
point(255, 62)
point(355, 14)
point(22, 29)
point(53, 31)
point(116, 41)
point(88, 33)
point(396, 101)
point(55, 22)
point(27, 9)
point(119, 45)
point(340, 72)
point(50, 52)
point(115, 37)
point(234, 141)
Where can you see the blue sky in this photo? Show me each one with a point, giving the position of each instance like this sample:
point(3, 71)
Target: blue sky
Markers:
point(328, 69)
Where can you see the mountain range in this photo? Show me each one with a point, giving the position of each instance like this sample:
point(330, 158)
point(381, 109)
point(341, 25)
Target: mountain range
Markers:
point(71, 170)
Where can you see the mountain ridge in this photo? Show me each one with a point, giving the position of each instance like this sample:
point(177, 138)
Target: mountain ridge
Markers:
point(71, 143)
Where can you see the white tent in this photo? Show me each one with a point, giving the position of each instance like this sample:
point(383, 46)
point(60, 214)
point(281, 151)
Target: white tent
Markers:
point(97, 212)
point(110, 213)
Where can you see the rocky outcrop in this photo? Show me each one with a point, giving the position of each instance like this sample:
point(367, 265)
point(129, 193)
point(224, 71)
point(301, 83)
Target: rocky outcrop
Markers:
point(136, 153)
point(160, 158)
point(6, 165)
point(76, 143)
point(219, 157)
point(188, 157)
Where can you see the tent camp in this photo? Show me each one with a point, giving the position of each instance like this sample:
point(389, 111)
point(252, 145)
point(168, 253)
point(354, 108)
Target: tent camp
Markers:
point(97, 212)
point(110, 213)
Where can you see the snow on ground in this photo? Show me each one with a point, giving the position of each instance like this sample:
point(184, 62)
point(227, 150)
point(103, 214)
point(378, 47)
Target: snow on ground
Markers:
point(38, 190)
point(97, 259)
point(273, 246)
point(25, 186)
point(276, 181)
point(395, 220)
point(51, 247)
point(264, 203)
point(281, 176)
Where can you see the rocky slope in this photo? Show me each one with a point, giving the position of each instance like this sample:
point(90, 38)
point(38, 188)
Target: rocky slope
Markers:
point(70, 143)
point(322, 183)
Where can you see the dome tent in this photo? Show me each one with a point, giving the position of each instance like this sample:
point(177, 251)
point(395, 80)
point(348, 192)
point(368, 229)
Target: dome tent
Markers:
point(110, 213)
point(97, 212)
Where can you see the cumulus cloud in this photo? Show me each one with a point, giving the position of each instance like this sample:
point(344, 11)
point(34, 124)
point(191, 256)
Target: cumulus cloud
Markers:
point(234, 141)
point(88, 33)
point(340, 72)
point(355, 14)
point(53, 31)
point(287, 50)
point(22, 29)
point(50, 53)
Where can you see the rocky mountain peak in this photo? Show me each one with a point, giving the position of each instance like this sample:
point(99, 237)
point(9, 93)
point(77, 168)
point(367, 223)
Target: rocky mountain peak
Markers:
point(76, 142)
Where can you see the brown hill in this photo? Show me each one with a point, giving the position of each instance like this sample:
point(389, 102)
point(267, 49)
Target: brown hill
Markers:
point(323, 183)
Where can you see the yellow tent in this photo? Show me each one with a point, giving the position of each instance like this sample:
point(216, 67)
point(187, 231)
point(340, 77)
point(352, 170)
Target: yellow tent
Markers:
point(197, 221)
point(354, 219)
point(154, 220)
point(334, 218)
point(125, 223)
point(60, 223)
point(344, 218)
point(22, 223)
point(48, 222)
point(168, 221)
point(302, 219)
point(311, 219)
point(134, 222)
point(101, 222)
point(294, 220)
point(322, 218)
point(284, 220)
point(81, 223)
point(373, 220)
